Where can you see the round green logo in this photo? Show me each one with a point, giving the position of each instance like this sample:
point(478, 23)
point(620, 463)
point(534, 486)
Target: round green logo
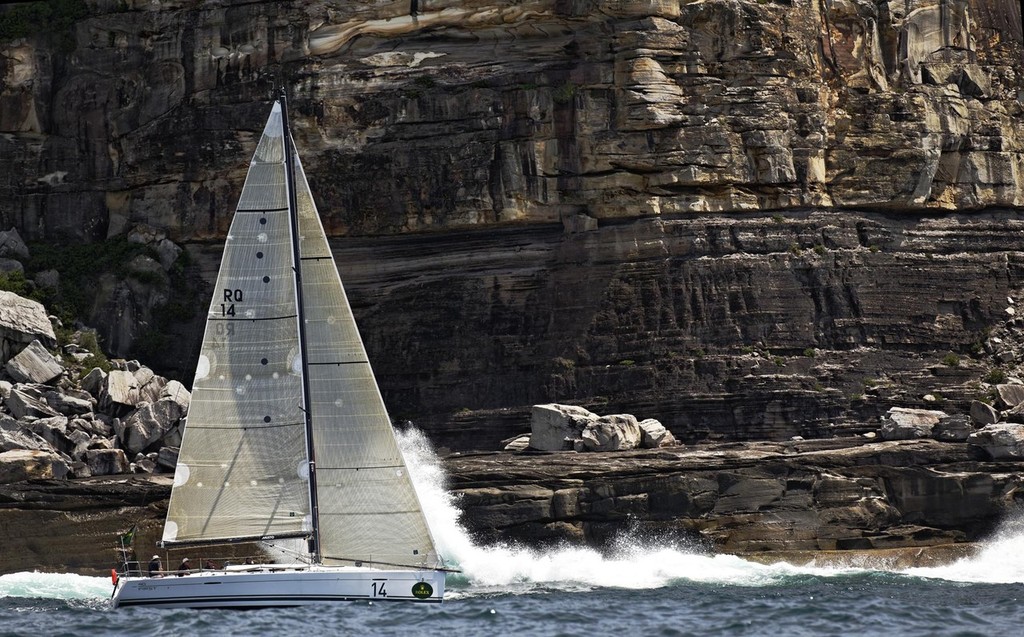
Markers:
point(422, 590)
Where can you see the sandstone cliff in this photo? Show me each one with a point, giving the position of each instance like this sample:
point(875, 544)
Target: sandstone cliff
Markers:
point(896, 503)
point(747, 219)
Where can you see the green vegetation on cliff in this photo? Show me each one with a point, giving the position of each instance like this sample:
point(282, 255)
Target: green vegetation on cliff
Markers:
point(54, 17)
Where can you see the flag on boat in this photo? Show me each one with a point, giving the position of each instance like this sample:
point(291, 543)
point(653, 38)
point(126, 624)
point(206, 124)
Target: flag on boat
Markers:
point(127, 538)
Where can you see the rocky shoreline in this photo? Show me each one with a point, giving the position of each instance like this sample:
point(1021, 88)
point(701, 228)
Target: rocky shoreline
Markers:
point(846, 500)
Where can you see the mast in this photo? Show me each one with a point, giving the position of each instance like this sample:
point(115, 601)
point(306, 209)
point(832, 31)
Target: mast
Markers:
point(293, 215)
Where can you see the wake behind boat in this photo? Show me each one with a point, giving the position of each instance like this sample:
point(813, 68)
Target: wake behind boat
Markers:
point(287, 435)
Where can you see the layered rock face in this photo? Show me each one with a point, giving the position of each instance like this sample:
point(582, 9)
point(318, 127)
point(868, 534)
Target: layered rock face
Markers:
point(811, 496)
point(747, 220)
point(448, 113)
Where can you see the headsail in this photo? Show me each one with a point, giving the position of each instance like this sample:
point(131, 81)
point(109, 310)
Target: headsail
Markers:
point(368, 507)
point(242, 466)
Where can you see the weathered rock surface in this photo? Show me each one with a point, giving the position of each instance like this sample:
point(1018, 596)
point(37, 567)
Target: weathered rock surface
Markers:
point(654, 435)
point(21, 322)
point(1000, 441)
point(908, 424)
point(759, 499)
point(34, 365)
point(796, 496)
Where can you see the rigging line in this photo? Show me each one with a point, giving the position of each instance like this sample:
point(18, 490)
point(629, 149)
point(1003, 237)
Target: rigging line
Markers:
point(339, 363)
point(294, 237)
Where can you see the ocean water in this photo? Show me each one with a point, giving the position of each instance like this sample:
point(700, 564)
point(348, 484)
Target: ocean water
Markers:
point(632, 591)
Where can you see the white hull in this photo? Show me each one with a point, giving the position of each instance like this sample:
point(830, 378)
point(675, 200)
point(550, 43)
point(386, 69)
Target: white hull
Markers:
point(278, 585)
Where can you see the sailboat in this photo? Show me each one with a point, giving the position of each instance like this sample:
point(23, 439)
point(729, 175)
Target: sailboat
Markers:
point(287, 435)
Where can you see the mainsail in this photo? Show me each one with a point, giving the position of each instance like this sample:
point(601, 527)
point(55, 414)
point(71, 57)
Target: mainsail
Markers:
point(243, 470)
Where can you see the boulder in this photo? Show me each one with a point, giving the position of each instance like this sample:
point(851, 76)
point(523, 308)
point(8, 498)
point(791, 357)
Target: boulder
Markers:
point(99, 442)
point(900, 423)
point(106, 462)
point(21, 322)
point(68, 404)
point(93, 382)
point(22, 404)
point(19, 465)
point(119, 392)
point(175, 391)
point(148, 424)
point(144, 464)
point(955, 428)
point(167, 252)
point(616, 432)
point(34, 365)
point(983, 413)
point(53, 430)
point(13, 436)
point(555, 427)
point(12, 246)
point(1001, 441)
point(516, 443)
point(1010, 395)
point(173, 437)
point(653, 434)
point(167, 458)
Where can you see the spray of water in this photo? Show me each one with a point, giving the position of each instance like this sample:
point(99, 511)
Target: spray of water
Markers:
point(54, 586)
point(634, 563)
point(1000, 561)
point(631, 564)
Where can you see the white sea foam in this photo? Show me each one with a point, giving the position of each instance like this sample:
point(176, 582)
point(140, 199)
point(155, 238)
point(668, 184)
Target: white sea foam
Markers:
point(636, 564)
point(632, 564)
point(54, 586)
point(1000, 561)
